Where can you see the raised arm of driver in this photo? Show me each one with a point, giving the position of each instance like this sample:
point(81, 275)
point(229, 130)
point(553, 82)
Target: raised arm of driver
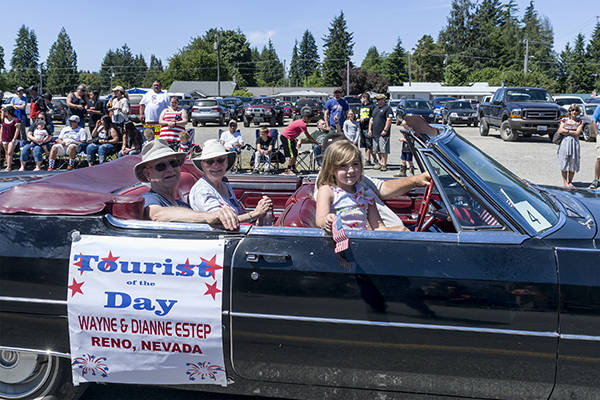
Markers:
point(224, 216)
point(397, 187)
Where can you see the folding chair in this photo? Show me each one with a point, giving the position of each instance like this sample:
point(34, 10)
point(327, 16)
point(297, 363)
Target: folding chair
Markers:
point(274, 156)
point(306, 160)
point(237, 166)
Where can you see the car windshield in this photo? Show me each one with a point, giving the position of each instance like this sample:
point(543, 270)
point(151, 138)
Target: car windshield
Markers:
point(459, 105)
point(230, 102)
point(529, 95)
point(352, 100)
point(310, 103)
point(206, 103)
point(394, 103)
point(418, 104)
point(569, 100)
point(441, 103)
point(589, 109)
point(265, 100)
point(505, 186)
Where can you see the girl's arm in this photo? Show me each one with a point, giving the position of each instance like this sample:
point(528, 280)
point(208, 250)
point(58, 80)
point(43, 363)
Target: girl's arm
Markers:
point(17, 132)
point(561, 128)
point(324, 218)
point(114, 136)
point(579, 129)
point(375, 219)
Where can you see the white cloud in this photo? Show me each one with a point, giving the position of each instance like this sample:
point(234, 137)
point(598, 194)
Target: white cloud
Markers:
point(258, 38)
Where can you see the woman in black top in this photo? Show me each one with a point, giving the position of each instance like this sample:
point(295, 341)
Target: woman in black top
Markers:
point(132, 140)
point(95, 109)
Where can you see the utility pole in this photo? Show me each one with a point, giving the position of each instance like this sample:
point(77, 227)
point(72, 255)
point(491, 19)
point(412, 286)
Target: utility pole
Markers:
point(409, 70)
point(347, 77)
point(218, 48)
point(526, 60)
point(41, 85)
point(284, 73)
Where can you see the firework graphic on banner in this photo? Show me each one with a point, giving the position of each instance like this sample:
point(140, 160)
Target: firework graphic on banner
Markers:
point(203, 370)
point(90, 364)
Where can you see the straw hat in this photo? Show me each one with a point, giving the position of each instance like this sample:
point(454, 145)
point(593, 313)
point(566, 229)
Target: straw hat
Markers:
point(213, 148)
point(152, 151)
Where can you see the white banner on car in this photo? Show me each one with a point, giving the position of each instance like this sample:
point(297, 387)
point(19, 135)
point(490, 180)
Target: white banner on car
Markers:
point(146, 310)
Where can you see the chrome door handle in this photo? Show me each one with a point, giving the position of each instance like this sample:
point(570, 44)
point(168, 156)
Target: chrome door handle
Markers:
point(254, 257)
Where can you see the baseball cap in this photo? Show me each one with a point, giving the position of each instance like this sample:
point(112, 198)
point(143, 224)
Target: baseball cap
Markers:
point(20, 88)
point(380, 96)
point(73, 118)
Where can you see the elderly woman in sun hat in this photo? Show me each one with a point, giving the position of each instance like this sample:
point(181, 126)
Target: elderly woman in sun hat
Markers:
point(213, 191)
point(161, 167)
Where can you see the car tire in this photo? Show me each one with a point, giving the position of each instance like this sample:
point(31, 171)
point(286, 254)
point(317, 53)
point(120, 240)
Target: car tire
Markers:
point(202, 123)
point(475, 123)
point(36, 376)
point(588, 135)
point(484, 129)
point(194, 123)
point(221, 121)
point(506, 132)
point(246, 122)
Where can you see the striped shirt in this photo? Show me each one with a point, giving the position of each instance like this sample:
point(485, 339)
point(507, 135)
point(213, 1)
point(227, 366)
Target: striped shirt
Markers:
point(171, 134)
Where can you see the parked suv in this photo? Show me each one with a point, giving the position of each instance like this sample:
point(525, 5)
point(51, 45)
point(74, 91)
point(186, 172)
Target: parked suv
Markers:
point(413, 107)
point(316, 109)
point(459, 112)
point(439, 103)
point(210, 110)
point(263, 109)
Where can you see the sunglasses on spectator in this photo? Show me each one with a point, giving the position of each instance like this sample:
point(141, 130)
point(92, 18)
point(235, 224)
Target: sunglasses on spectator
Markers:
point(161, 166)
point(220, 160)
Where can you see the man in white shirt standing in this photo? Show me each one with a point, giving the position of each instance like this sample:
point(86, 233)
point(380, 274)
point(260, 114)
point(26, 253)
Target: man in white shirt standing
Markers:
point(153, 103)
point(68, 142)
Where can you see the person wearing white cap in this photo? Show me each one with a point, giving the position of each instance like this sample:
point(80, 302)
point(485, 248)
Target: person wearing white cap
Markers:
point(119, 108)
point(161, 167)
point(68, 142)
point(213, 192)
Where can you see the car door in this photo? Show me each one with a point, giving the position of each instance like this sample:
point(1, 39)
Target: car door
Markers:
point(469, 313)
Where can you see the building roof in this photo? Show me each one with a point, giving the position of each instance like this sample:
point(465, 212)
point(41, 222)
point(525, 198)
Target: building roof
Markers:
point(202, 88)
point(286, 90)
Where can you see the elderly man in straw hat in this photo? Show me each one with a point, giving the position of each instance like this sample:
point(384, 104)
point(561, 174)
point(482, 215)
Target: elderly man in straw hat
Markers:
point(161, 167)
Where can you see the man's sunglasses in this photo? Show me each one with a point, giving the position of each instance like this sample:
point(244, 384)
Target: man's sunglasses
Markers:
point(220, 160)
point(161, 166)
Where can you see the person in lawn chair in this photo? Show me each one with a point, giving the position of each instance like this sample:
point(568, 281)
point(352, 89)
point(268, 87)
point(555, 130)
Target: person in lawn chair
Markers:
point(264, 148)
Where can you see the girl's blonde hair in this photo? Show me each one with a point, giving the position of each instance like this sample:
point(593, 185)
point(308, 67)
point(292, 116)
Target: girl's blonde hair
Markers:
point(337, 154)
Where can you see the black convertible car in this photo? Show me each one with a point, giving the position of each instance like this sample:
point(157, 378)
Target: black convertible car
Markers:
point(495, 294)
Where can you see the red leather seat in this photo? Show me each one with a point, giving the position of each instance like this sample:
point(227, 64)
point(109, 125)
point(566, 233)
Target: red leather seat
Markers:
point(304, 191)
point(300, 214)
point(186, 182)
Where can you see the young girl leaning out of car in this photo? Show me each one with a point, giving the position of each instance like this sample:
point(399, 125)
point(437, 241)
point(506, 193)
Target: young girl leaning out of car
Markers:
point(342, 193)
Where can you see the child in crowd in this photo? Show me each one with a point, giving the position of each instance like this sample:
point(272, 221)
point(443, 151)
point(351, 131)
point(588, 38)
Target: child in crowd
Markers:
point(351, 128)
point(40, 134)
point(149, 134)
point(406, 157)
point(342, 193)
point(264, 147)
point(185, 142)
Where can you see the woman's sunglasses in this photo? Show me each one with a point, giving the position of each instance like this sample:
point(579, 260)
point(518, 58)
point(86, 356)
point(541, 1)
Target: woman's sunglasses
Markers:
point(220, 160)
point(174, 163)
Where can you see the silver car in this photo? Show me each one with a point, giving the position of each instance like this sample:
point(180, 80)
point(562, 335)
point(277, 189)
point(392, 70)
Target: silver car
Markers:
point(210, 110)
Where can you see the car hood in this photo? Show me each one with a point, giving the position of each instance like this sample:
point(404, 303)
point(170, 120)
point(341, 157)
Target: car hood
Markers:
point(260, 106)
point(582, 208)
point(461, 110)
point(542, 106)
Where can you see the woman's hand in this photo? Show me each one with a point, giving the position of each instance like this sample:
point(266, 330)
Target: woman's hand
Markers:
point(329, 221)
point(264, 205)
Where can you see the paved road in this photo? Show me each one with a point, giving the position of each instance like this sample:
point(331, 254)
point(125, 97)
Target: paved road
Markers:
point(532, 158)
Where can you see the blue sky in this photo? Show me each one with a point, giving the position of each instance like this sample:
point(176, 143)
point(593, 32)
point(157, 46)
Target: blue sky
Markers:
point(163, 27)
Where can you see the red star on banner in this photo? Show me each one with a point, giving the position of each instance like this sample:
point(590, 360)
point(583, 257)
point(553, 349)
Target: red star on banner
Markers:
point(109, 258)
point(212, 266)
point(188, 266)
point(212, 290)
point(79, 264)
point(75, 287)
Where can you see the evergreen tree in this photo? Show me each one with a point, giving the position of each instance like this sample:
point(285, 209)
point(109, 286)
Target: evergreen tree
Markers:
point(487, 22)
point(140, 70)
point(1, 59)
point(579, 73)
point(154, 71)
point(91, 79)
point(235, 54)
point(457, 37)
point(456, 74)
point(120, 65)
point(294, 75)
point(593, 55)
point(195, 62)
point(564, 62)
point(270, 69)
point(25, 58)
point(61, 76)
point(428, 61)
point(308, 56)
point(538, 31)
point(372, 60)
point(338, 50)
point(394, 66)
point(510, 40)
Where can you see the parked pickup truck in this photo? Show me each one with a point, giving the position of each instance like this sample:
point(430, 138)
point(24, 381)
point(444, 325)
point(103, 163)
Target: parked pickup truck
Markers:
point(520, 111)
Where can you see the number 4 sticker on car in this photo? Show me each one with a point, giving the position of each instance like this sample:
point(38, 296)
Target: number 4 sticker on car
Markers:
point(532, 216)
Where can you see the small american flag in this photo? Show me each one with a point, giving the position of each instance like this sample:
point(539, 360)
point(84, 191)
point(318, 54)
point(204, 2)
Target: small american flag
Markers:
point(339, 236)
point(487, 218)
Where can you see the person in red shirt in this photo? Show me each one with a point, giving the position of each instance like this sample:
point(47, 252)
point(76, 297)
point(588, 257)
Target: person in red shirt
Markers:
point(289, 140)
